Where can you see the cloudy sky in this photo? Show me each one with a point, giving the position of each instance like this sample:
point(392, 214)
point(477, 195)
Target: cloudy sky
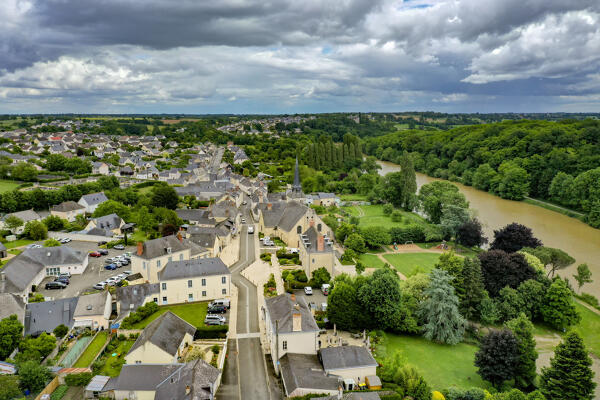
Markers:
point(286, 56)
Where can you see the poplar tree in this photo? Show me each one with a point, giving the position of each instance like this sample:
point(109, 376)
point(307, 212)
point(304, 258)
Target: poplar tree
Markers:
point(474, 289)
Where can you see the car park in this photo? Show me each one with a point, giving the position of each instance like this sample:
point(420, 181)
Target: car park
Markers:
point(55, 285)
point(62, 279)
point(217, 309)
point(308, 290)
point(95, 254)
point(119, 247)
point(111, 267)
point(214, 319)
point(100, 285)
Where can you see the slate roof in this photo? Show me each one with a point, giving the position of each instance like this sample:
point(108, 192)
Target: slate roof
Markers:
point(110, 221)
point(142, 376)
point(193, 268)
point(158, 247)
point(135, 294)
point(284, 215)
point(201, 216)
point(47, 315)
point(67, 206)
point(25, 216)
point(312, 235)
point(304, 371)
point(282, 307)
point(198, 375)
point(11, 304)
point(204, 239)
point(91, 304)
point(166, 332)
point(94, 198)
point(343, 357)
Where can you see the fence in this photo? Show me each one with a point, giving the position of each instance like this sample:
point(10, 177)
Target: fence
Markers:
point(51, 387)
point(75, 351)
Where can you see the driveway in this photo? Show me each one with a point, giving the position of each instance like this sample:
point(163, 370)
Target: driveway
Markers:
point(317, 297)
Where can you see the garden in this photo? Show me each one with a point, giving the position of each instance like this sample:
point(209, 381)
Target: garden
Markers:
point(193, 313)
point(408, 263)
point(92, 350)
point(113, 357)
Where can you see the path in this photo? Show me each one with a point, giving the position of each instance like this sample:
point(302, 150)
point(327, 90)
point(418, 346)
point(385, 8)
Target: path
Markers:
point(554, 206)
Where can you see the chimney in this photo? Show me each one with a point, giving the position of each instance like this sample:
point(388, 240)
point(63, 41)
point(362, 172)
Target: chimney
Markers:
point(296, 322)
point(188, 389)
point(292, 297)
point(140, 248)
point(320, 243)
point(269, 206)
point(179, 236)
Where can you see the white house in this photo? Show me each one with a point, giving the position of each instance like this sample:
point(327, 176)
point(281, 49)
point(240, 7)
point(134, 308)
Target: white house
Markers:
point(92, 201)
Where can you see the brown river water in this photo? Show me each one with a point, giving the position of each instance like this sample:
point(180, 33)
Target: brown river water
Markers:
point(581, 241)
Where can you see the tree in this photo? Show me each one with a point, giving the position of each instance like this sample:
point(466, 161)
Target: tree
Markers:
point(343, 231)
point(163, 195)
point(9, 387)
point(434, 196)
point(470, 233)
point(532, 293)
point(510, 303)
point(24, 172)
point(10, 335)
point(375, 236)
point(54, 223)
point(514, 182)
point(320, 276)
point(35, 230)
point(13, 222)
point(498, 356)
point(453, 264)
point(144, 220)
point(553, 258)
point(409, 177)
point(51, 243)
point(112, 207)
point(583, 275)
point(381, 297)
point(33, 375)
point(411, 385)
point(60, 331)
point(525, 372)
point(439, 311)
point(558, 309)
point(483, 177)
point(387, 209)
point(513, 237)
point(343, 306)
point(473, 288)
point(355, 242)
point(37, 348)
point(453, 217)
point(500, 269)
point(569, 375)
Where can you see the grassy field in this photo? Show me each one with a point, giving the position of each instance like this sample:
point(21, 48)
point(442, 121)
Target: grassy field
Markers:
point(370, 261)
point(7, 186)
point(589, 328)
point(193, 313)
point(458, 249)
point(442, 366)
point(373, 216)
point(353, 197)
point(18, 243)
point(407, 262)
point(87, 357)
point(113, 364)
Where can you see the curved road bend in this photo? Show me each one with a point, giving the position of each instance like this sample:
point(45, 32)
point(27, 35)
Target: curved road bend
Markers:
point(244, 376)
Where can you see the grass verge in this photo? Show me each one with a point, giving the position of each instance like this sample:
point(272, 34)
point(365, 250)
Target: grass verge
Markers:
point(90, 353)
point(371, 261)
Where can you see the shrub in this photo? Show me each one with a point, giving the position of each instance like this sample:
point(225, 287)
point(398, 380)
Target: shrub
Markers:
point(464, 394)
point(98, 365)
point(81, 379)
point(60, 331)
point(215, 349)
point(59, 392)
point(211, 332)
point(410, 233)
point(121, 337)
point(142, 313)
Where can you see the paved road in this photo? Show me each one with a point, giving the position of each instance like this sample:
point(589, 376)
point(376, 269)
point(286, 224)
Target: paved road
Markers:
point(249, 376)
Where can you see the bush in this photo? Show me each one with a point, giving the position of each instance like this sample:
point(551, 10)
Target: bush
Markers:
point(81, 379)
point(410, 233)
point(211, 332)
point(464, 394)
point(215, 349)
point(60, 331)
point(59, 392)
point(121, 337)
point(142, 313)
point(98, 365)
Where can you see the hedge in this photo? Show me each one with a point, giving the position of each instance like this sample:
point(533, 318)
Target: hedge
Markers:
point(211, 332)
point(81, 379)
point(142, 312)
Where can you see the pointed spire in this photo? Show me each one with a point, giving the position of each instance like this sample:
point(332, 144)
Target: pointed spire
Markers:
point(297, 175)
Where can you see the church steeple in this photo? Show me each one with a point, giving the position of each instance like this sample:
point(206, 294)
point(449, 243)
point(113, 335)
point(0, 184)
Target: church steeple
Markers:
point(297, 187)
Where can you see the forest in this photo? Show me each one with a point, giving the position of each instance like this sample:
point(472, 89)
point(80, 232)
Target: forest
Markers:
point(553, 161)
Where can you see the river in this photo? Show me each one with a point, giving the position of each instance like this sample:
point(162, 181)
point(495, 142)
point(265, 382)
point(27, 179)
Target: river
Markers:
point(581, 241)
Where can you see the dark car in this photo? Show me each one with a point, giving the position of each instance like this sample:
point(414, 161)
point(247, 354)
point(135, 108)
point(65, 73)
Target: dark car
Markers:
point(62, 279)
point(217, 309)
point(55, 285)
point(103, 252)
point(111, 267)
point(102, 242)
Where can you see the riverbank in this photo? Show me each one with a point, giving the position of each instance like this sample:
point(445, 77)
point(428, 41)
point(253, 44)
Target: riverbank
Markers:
point(555, 208)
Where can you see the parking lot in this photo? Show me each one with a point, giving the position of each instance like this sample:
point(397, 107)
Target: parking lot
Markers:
point(317, 297)
point(93, 274)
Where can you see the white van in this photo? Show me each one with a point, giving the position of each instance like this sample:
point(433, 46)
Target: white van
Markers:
point(251, 229)
point(325, 288)
point(220, 302)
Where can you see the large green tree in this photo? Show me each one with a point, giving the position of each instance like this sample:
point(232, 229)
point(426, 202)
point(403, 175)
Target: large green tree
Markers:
point(474, 289)
point(569, 375)
point(163, 195)
point(525, 372)
point(33, 375)
point(375, 236)
point(436, 195)
point(583, 275)
point(381, 297)
point(11, 330)
point(558, 308)
point(498, 356)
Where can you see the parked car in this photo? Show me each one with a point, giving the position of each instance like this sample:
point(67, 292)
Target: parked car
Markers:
point(307, 290)
point(103, 252)
point(220, 302)
point(67, 274)
point(110, 260)
point(217, 309)
point(95, 254)
point(34, 246)
point(118, 264)
point(325, 288)
point(111, 267)
point(62, 279)
point(127, 273)
point(124, 261)
point(64, 240)
point(251, 229)
point(55, 285)
point(243, 220)
point(244, 202)
point(119, 247)
point(214, 319)
point(102, 243)
point(293, 250)
point(100, 285)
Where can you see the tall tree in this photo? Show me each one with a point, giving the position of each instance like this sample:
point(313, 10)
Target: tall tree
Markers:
point(501, 269)
point(471, 234)
point(33, 376)
point(381, 297)
point(497, 357)
point(569, 375)
point(552, 258)
point(11, 330)
point(474, 289)
point(558, 309)
point(434, 196)
point(513, 237)
point(583, 275)
point(525, 372)
point(439, 311)
point(164, 196)
point(409, 177)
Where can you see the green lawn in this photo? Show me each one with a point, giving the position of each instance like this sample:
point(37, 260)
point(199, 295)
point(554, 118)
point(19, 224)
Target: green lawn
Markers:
point(405, 263)
point(458, 248)
point(589, 328)
point(7, 186)
point(370, 261)
point(113, 364)
point(373, 216)
point(353, 197)
point(442, 366)
point(193, 313)
point(90, 353)
point(18, 243)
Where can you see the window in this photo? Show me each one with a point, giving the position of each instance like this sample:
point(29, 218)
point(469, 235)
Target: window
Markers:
point(299, 229)
point(138, 361)
point(181, 257)
point(155, 300)
point(224, 291)
point(190, 283)
point(190, 297)
point(204, 293)
point(224, 280)
point(144, 265)
point(285, 344)
point(164, 299)
point(203, 282)
point(158, 264)
point(164, 286)
point(319, 227)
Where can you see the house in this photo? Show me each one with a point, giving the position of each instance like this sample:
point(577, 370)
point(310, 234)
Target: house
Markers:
point(194, 280)
point(3, 251)
point(68, 210)
point(29, 268)
point(93, 311)
point(11, 304)
point(92, 201)
point(152, 255)
point(131, 297)
point(111, 222)
point(290, 327)
point(323, 199)
point(302, 374)
point(162, 341)
point(316, 251)
point(25, 216)
point(47, 315)
point(196, 217)
point(101, 168)
point(196, 380)
point(348, 362)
